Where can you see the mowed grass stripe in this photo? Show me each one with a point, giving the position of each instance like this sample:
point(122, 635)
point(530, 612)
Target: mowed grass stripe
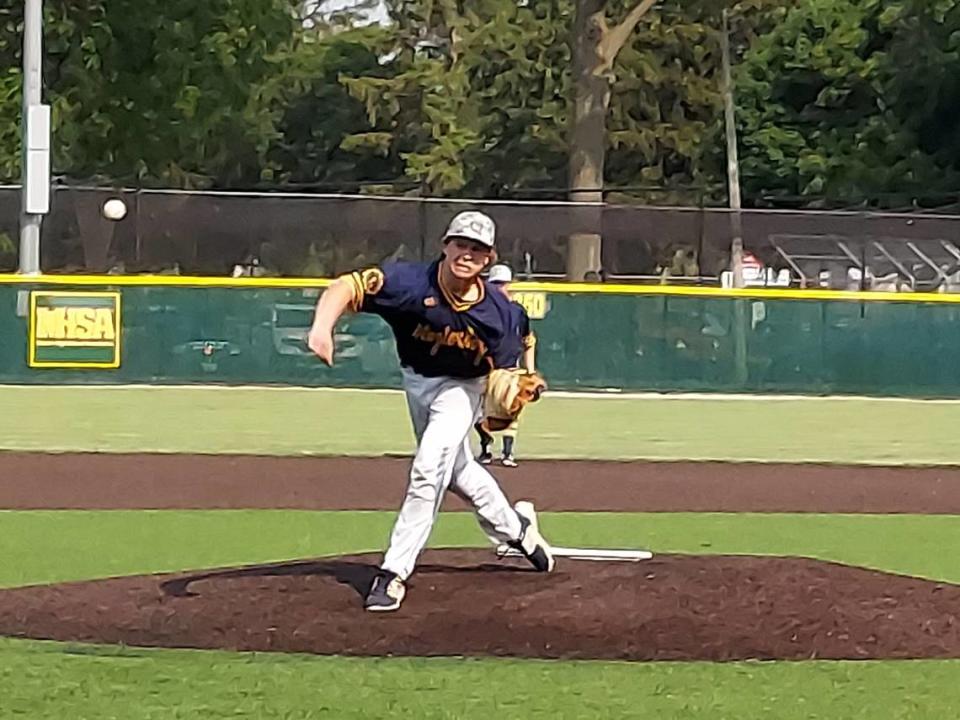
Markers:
point(48, 680)
point(327, 422)
point(54, 546)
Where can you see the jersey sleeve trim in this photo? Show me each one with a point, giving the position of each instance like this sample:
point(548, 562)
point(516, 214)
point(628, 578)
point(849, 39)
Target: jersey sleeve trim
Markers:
point(356, 285)
point(364, 282)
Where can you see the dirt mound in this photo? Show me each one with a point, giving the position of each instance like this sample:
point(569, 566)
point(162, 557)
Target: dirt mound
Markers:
point(467, 603)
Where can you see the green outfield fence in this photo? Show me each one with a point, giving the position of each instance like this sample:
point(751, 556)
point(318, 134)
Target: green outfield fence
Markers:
point(252, 330)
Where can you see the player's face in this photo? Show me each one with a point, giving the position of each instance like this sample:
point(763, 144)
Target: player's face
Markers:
point(465, 258)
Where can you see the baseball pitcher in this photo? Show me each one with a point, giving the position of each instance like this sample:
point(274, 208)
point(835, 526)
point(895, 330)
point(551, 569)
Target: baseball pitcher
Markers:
point(521, 352)
point(451, 332)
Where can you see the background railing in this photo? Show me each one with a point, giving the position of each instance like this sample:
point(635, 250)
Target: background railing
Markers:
point(294, 234)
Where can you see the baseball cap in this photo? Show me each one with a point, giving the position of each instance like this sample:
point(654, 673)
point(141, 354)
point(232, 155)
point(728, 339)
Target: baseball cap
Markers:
point(500, 274)
point(472, 225)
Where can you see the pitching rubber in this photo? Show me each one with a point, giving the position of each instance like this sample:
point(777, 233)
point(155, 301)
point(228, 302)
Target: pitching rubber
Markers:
point(585, 554)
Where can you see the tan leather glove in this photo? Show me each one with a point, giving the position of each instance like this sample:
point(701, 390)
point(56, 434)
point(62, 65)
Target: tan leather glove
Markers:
point(508, 392)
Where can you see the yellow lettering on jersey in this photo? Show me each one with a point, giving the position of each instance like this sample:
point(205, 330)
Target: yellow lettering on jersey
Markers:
point(462, 339)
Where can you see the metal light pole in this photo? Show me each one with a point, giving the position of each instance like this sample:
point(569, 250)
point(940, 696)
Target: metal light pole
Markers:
point(741, 371)
point(35, 184)
point(733, 162)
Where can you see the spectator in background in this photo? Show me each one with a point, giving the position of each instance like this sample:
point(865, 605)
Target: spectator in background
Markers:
point(250, 267)
point(683, 263)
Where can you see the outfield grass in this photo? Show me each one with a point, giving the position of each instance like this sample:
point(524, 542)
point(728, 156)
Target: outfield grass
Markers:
point(49, 680)
point(51, 546)
point(344, 422)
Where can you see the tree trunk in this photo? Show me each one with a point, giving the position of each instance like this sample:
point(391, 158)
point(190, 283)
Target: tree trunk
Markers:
point(588, 137)
point(595, 48)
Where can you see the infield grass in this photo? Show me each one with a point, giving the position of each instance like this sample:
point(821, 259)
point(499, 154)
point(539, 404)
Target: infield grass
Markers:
point(53, 546)
point(291, 421)
point(50, 680)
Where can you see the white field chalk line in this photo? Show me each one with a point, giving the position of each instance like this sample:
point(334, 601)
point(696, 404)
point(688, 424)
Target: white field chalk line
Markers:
point(612, 394)
point(585, 554)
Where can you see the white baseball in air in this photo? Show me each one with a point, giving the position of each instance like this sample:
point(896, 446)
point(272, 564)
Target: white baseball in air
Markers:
point(114, 209)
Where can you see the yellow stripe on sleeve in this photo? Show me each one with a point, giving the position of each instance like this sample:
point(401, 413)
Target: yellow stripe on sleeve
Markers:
point(356, 284)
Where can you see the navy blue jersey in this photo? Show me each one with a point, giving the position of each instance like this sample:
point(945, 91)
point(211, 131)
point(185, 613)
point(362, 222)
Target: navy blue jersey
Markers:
point(519, 336)
point(437, 334)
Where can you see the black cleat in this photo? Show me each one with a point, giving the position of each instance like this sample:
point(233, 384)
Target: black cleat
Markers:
point(531, 542)
point(386, 593)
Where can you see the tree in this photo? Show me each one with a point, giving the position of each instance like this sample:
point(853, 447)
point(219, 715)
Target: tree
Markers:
point(317, 132)
point(596, 46)
point(469, 98)
point(477, 98)
point(672, 68)
point(852, 101)
point(665, 106)
point(10, 100)
point(166, 92)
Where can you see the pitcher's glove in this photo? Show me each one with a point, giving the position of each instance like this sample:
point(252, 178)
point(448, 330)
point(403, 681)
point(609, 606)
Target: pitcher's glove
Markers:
point(508, 392)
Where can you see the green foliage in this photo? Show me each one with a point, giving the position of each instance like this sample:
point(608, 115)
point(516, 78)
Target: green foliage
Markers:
point(852, 99)
point(477, 98)
point(516, 61)
point(163, 91)
point(10, 99)
point(470, 100)
point(323, 134)
point(666, 106)
point(421, 116)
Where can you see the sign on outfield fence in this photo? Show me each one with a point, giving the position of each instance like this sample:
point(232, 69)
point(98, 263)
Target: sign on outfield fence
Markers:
point(535, 303)
point(74, 329)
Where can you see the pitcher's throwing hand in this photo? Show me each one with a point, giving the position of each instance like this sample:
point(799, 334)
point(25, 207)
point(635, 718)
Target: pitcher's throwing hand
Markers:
point(320, 341)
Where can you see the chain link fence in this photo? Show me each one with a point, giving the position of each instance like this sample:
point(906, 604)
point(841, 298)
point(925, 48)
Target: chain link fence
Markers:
point(292, 234)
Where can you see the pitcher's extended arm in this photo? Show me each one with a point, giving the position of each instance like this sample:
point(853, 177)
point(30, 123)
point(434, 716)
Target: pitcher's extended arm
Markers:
point(332, 304)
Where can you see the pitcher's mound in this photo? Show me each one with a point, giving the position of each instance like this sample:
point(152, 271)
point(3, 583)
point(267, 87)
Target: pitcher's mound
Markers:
point(467, 603)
